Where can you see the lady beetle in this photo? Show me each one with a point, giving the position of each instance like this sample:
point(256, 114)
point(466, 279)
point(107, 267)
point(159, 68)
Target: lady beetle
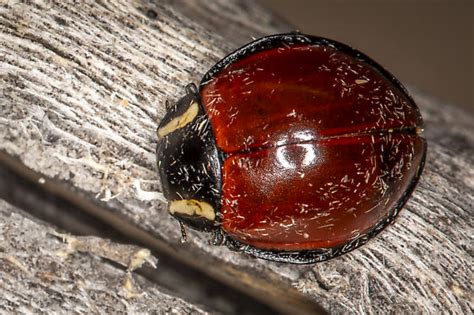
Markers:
point(294, 148)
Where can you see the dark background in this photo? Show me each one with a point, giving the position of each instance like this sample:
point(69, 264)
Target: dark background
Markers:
point(427, 44)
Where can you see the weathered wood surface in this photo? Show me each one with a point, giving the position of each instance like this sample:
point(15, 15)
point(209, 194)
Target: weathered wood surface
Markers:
point(183, 271)
point(37, 277)
point(82, 88)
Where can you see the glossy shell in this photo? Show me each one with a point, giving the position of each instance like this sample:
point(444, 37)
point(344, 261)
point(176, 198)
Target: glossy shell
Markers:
point(319, 147)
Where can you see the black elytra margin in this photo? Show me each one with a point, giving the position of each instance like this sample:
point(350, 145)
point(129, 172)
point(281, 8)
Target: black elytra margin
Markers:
point(321, 254)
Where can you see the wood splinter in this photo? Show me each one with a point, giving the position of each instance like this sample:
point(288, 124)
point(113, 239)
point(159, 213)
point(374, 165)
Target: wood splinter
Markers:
point(130, 256)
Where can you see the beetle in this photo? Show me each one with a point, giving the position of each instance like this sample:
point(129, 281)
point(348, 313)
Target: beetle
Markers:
point(294, 148)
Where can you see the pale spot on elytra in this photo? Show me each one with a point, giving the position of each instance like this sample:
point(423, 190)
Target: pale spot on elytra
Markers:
point(180, 121)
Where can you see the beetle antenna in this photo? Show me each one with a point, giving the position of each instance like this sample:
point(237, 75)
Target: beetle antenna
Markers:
point(167, 105)
point(184, 236)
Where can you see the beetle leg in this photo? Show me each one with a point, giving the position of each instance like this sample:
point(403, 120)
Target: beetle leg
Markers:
point(217, 237)
point(184, 236)
point(233, 245)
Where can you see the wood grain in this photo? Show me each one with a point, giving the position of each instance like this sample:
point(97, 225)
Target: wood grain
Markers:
point(184, 272)
point(38, 278)
point(82, 88)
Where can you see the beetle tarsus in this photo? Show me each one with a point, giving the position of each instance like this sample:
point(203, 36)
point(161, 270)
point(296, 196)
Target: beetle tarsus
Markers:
point(234, 245)
point(217, 238)
point(184, 236)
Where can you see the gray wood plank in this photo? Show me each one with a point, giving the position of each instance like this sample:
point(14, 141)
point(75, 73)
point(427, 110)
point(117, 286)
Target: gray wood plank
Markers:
point(83, 87)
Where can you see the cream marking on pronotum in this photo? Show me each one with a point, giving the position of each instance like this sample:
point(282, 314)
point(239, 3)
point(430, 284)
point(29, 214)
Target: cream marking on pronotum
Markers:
point(192, 207)
point(179, 122)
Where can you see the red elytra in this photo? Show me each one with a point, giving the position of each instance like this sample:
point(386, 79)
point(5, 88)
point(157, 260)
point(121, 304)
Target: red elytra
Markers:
point(321, 146)
point(295, 149)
